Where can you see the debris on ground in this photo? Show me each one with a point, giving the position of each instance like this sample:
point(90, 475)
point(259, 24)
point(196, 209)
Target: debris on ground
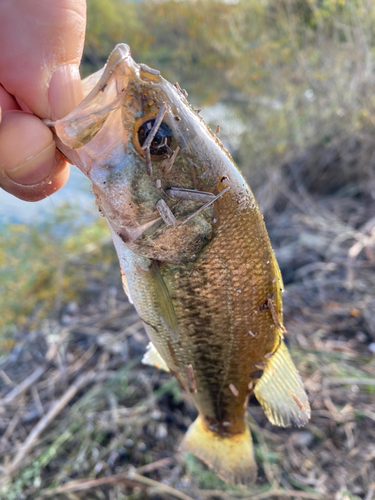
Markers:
point(82, 418)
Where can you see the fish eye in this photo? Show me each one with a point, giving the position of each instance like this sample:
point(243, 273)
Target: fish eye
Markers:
point(160, 145)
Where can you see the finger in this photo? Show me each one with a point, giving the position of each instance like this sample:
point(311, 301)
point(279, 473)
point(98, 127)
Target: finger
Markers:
point(7, 102)
point(39, 67)
point(30, 166)
point(41, 47)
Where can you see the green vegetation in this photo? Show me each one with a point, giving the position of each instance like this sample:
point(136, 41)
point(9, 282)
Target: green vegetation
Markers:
point(292, 71)
point(41, 269)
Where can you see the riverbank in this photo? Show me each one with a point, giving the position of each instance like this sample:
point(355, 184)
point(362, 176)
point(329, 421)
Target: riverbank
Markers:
point(80, 411)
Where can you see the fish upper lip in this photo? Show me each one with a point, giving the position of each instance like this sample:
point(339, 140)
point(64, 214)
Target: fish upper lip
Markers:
point(111, 90)
point(118, 54)
point(121, 54)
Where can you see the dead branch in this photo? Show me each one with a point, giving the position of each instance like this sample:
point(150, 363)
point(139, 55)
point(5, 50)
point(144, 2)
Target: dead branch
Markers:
point(131, 479)
point(163, 462)
point(287, 494)
point(47, 419)
point(23, 386)
point(303, 495)
point(350, 381)
point(9, 430)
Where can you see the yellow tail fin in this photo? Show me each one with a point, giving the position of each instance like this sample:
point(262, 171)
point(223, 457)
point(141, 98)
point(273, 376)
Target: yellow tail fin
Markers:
point(231, 457)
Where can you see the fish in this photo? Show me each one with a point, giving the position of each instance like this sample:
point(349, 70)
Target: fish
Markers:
point(195, 256)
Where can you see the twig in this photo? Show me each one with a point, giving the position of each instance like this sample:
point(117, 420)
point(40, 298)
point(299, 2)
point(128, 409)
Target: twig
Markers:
point(129, 478)
point(148, 161)
point(50, 416)
point(305, 495)
point(23, 386)
point(54, 347)
point(189, 194)
point(367, 413)
point(37, 401)
point(9, 430)
point(166, 213)
point(147, 144)
point(155, 127)
point(350, 381)
point(370, 493)
point(204, 206)
point(287, 494)
point(161, 487)
point(145, 469)
point(75, 367)
point(31, 379)
point(6, 379)
point(87, 484)
point(167, 164)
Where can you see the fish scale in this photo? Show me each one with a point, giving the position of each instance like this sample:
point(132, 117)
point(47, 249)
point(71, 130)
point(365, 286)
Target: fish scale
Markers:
point(223, 311)
point(198, 265)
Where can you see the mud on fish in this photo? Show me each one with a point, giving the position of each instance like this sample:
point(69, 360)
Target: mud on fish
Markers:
point(195, 256)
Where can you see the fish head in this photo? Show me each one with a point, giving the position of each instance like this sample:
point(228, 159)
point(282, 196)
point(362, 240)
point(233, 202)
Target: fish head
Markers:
point(105, 137)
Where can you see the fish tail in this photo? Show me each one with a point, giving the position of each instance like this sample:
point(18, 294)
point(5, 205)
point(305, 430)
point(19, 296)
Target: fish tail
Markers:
point(231, 457)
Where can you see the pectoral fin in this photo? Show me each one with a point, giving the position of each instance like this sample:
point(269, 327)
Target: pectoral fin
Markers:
point(280, 391)
point(153, 358)
point(125, 286)
point(163, 301)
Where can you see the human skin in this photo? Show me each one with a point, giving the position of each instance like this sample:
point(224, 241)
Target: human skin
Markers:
point(41, 47)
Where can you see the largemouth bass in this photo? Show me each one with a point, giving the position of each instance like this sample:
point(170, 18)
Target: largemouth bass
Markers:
point(194, 252)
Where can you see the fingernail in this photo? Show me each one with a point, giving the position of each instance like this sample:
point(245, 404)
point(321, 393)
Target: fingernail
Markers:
point(35, 169)
point(65, 91)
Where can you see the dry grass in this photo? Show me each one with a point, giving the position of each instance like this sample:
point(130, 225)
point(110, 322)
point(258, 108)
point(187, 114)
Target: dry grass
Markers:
point(82, 418)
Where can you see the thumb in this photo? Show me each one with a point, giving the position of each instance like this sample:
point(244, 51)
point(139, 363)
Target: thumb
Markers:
point(42, 44)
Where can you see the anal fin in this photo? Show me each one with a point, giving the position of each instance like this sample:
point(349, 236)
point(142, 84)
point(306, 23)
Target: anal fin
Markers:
point(280, 391)
point(153, 358)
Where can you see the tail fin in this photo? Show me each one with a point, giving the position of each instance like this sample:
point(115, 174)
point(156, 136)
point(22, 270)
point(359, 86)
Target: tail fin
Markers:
point(231, 457)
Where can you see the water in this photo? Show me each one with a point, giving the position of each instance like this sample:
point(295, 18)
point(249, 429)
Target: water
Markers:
point(76, 193)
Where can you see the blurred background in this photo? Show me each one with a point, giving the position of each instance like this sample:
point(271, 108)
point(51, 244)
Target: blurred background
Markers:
point(291, 84)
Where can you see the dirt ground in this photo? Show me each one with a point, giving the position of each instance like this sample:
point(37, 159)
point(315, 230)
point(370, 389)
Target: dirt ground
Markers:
point(82, 418)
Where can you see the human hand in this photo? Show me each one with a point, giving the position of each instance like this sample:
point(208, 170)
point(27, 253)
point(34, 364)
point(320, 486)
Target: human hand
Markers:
point(41, 47)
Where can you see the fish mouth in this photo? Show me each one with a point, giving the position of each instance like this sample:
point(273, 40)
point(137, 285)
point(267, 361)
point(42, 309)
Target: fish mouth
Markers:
point(120, 65)
point(105, 92)
point(120, 58)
